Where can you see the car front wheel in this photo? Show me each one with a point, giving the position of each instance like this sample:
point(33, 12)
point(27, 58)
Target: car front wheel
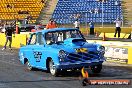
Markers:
point(96, 68)
point(28, 65)
point(52, 68)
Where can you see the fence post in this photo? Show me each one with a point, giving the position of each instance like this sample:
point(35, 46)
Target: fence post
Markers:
point(131, 34)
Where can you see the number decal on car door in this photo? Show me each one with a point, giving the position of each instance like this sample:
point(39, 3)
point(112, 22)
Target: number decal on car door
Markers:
point(37, 55)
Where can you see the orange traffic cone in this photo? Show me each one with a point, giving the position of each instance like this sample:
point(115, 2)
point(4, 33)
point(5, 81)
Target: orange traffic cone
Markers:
point(104, 38)
point(96, 34)
point(87, 32)
point(16, 29)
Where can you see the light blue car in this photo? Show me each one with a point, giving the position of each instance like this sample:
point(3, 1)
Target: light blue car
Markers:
point(61, 49)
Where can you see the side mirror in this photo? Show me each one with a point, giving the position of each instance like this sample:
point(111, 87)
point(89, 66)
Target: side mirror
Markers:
point(21, 45)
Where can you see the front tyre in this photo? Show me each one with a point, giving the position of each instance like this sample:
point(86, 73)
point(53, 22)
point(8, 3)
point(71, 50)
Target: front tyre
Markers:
point(52, 68)
point(96, 68)
point(28, 65)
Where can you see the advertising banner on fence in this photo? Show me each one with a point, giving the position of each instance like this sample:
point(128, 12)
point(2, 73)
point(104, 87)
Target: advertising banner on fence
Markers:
point(117, 54)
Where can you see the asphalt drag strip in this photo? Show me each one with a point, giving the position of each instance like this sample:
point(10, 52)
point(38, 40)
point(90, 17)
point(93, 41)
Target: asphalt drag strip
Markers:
point(15, 75)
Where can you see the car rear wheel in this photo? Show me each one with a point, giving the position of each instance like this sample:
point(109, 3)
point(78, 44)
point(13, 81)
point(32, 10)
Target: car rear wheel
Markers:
point(96, 68)
point(52, 68)
point(28, 65)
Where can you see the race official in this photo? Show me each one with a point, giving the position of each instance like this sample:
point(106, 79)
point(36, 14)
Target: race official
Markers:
point(77, 24)
point(118, 27)
point(91, 25)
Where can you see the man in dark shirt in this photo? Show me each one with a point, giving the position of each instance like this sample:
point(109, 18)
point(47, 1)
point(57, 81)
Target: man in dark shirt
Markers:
point(9, 31)
point(91, 24)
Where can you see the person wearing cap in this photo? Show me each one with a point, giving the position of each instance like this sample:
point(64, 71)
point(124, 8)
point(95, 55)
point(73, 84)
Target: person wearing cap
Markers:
point(51, 24)
point(118, 27)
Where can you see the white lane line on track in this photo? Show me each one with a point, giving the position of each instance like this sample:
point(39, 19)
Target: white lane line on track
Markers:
point(10, 62)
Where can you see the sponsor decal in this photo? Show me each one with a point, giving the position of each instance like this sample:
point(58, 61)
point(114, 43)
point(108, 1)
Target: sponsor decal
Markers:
point(83, 50)
point(37, 55)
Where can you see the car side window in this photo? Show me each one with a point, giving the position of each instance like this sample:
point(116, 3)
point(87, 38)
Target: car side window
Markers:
point(33, 39)
point(39, 39)
point(48, 38)
point(60, 37)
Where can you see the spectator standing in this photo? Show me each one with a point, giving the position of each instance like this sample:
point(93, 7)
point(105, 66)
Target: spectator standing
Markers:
point(77, 24)
point(51, 24)
point(116, 3)
point(8, 32)
point(25, 21)
point(96, 11)
point(91, 24)
point(118, 25)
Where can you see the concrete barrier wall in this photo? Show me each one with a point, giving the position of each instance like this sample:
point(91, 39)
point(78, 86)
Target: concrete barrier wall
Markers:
point(112, 29)
point(130, 55)
point(126, 30)
point(16, 41)
point(111, 35)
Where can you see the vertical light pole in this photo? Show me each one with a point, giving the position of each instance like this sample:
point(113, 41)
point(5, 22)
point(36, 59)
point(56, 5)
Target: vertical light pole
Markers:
point(102, 13)
point(86, 15)
point(123, 20)
point(86, 21)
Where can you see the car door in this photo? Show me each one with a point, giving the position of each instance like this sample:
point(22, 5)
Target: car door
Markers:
point(31, 45)
point(39, 51)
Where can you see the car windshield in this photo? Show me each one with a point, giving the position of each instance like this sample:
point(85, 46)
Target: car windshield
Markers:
point(58, 37)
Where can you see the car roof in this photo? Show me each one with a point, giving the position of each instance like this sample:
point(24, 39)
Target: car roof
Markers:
point(57, 29)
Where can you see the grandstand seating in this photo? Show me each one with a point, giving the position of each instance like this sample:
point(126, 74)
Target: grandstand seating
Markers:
point(66, 10)
point(127, 11)
point(9, 9)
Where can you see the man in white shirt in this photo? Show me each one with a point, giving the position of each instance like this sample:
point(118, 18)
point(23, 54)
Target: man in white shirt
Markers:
point(118, 25)
point(77, 24)
point(96, 11)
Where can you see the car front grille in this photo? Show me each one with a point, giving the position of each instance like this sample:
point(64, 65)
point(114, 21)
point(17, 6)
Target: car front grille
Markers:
point(82, 56)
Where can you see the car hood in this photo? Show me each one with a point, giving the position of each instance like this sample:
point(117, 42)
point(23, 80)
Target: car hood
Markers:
point(70, 45)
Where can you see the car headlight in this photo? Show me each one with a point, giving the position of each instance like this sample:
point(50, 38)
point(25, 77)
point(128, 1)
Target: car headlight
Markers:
point(62, 55)
point(101, 49)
